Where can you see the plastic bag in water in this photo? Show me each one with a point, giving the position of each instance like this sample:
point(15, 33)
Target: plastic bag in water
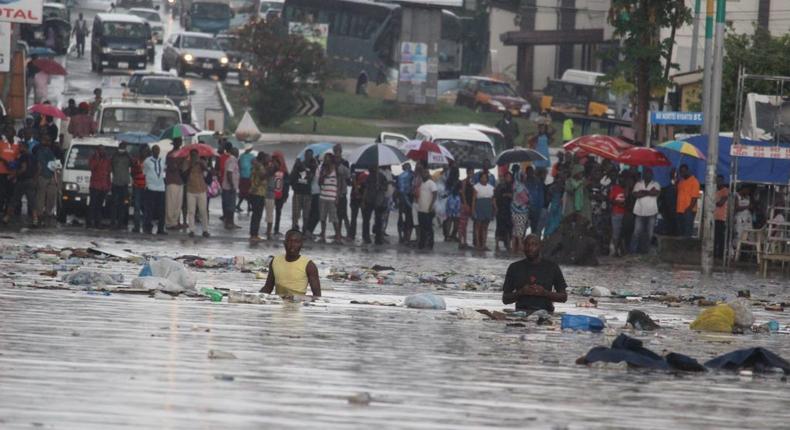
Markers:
point(425, 301)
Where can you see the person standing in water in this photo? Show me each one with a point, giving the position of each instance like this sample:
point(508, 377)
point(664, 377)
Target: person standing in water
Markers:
point(290, 274)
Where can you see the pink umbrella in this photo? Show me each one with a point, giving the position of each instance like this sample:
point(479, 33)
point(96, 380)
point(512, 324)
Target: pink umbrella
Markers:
point(48, 110)
point(202, 149)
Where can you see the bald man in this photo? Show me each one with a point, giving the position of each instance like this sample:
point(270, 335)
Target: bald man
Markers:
point(534, 283)
point(290, 274)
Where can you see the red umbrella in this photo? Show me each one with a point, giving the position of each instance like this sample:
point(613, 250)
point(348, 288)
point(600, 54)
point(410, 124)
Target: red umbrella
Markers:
point(648, 157)
point(609, 147)
point(425, 150)
point(202, 149)
point(48, 110)
point(48, 65)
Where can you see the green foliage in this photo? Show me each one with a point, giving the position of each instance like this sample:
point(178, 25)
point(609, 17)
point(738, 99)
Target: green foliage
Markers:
point(637, 25)
point(283, 66)
point(761, 54)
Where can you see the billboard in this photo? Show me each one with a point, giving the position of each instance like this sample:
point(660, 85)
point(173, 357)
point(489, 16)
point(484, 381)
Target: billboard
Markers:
point(413, 62)
point(21, 11)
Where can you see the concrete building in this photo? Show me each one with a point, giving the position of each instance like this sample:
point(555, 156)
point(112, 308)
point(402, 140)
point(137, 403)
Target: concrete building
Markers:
point(532, 41)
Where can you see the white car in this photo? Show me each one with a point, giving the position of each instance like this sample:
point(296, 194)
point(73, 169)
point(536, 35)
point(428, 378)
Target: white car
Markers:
point(76, 174)
point(154, 21)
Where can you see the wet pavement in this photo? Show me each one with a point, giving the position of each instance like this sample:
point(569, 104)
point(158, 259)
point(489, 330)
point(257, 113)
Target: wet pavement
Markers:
point(80, 359)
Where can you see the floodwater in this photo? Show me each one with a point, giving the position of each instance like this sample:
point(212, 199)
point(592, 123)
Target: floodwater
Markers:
point(72, 359)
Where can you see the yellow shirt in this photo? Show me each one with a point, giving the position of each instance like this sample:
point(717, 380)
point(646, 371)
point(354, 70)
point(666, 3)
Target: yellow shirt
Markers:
point(290, 278)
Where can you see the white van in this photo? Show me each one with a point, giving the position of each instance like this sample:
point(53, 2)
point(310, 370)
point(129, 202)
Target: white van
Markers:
point(152, 115)
point(76, 175)
point(582, 77)
point(468, 145)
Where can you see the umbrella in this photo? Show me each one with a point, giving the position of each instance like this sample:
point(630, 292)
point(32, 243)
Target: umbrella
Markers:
point(684, 148)
point(48, 110)
point(202, 149)
point(40, 51)
point(317, 148)
point(648, 157)
point(50, 66)
point(376, 154)
point(518, 155)
point(179, 130)
point(608, 147)
point(136, 137)
point(431, 152)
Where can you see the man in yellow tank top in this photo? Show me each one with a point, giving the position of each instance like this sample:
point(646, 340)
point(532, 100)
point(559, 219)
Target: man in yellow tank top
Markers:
point(289, 274)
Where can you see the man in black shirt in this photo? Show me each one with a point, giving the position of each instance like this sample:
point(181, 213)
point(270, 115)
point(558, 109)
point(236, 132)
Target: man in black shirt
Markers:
point(534, 283)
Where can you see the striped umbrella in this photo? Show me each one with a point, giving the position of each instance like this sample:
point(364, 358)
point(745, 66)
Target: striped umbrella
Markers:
point(609, 147)
point(431, 152)
point(684, 148)
point(179, 130)
point(376, 155)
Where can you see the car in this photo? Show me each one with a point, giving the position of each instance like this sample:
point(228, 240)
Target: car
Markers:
point(119, 41)
point(171, 87)
point(491, 95)
point(136, 77)
point(194, 52)
point(76, 175)
point(124, 6)
point(154, 21)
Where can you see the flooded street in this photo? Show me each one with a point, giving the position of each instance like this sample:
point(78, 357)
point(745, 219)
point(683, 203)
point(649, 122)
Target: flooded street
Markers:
point(82, 359)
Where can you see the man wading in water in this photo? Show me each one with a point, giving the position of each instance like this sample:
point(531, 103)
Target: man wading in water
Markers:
point(289, 274)
point(533, 283)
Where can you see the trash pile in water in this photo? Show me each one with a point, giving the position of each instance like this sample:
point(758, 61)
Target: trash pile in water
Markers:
point(386, 275)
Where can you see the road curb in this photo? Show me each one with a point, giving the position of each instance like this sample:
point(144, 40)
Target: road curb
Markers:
point(224, 99)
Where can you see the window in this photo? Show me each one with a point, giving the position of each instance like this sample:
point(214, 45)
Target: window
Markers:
point(191, 42)
point(163, 87)
point(125, 29)
point(152, 121)
point(497, 89)
point(81, 154)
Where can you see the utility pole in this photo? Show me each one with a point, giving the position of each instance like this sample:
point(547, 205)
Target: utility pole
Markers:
point(706, 73)
point(713, 141)
point(695, 36)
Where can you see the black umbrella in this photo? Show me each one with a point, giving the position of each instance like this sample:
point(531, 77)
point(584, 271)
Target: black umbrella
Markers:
point(376, 155)
point(519, 155)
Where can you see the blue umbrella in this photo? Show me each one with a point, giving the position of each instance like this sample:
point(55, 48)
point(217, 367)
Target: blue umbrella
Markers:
point(136, 137)
point(318, 149)
point(40, 51)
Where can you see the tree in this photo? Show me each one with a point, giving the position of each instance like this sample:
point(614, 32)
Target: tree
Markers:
point(283, 66)
point(642, 56)
point(761, 54)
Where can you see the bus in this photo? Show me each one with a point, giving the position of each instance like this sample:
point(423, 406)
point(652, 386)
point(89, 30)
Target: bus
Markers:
point(363, 39)
point(578, 92)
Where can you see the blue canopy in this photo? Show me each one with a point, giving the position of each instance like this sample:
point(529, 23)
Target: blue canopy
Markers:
point(753, 170)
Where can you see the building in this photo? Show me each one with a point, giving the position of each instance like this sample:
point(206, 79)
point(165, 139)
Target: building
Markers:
point(742, 15)
point(532, 41)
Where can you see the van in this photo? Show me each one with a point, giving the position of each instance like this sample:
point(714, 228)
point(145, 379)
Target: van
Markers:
point(119, 42)
point(151, 115)
point(468, 145)
point(76, 175)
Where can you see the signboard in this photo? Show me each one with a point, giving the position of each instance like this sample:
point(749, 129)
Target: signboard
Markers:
point(413, 62)
point(5, 46)
point(775, 152)
point(676, 118)
point(21, 11)
point(315, 33)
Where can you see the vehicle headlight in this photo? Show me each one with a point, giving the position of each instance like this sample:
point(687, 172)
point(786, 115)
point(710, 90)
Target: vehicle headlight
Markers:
point(240, 65)
point(139, 51)
point(183, 103)
point(171, 1)
point(70, 186)
point(497, 104)
point(525, 107)
point(188, 58)
point(106, 50)
point(223, 60)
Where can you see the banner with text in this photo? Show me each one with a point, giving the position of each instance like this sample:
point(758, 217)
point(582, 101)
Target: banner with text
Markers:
point(21, 11)
point(775, 152)
point(5, 46)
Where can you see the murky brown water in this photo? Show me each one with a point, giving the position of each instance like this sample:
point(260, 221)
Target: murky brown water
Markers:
point(69, 359)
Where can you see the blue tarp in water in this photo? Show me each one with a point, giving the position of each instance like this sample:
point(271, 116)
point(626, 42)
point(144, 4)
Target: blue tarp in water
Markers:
point(754, 170)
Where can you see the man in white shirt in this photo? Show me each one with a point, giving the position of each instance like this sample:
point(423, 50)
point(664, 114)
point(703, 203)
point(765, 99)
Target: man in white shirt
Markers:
point(154, 171)
point(230, 186)
point(645, 210)
point(425, 201)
